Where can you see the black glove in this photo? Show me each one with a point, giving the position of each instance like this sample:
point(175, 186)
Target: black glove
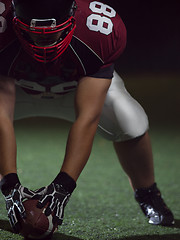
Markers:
point(55, 198)
point(14, 206)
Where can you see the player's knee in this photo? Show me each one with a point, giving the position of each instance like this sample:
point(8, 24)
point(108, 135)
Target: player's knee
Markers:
point(122, 135)
point(135, 126)
point(125, 125)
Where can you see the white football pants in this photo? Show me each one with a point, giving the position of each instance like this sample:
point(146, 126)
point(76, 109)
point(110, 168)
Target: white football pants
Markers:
point(122, 116)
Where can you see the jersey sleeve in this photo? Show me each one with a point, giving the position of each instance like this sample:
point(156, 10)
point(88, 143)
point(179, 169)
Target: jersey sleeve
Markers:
point(7, 34)
point(101, 29)
point(104, 72)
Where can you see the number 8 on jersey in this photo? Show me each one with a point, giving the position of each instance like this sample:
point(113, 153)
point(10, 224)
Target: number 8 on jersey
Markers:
point(96, 22)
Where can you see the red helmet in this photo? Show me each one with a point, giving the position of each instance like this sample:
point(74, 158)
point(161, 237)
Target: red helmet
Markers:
point(45, 28)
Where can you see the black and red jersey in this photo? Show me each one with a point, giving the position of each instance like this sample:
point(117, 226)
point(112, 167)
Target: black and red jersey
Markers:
point(98, 40)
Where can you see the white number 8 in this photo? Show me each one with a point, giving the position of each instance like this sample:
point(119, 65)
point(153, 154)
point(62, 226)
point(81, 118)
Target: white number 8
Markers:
point(100, 24)
point(96, 22)
point(3, 23)
point(99, 7)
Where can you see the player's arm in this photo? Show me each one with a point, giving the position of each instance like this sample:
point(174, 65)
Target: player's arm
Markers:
point(7, 137)
point(90, 96)
point(12, 190)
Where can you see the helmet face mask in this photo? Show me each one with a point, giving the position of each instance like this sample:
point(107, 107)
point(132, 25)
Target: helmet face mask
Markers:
point(44, 32)
point(43, 38)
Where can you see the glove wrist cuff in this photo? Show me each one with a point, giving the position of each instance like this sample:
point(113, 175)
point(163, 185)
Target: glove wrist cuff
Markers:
point(66, 181)
point(8, 182)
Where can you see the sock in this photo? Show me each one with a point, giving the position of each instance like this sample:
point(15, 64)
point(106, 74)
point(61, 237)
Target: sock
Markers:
point(152, 187)
point(66, 181)
point(140, 193)
point(8, 182)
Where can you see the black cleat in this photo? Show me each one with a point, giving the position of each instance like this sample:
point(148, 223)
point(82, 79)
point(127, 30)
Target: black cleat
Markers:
point(153, 206)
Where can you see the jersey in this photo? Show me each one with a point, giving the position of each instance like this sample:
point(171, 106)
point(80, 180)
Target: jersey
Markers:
point(98, 40)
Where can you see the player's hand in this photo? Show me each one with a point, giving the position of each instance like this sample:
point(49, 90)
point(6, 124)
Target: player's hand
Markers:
point(55, 198)
point(14, 206)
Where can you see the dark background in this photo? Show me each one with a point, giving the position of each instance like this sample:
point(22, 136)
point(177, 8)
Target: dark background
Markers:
point(153, 35)
point(150, 64)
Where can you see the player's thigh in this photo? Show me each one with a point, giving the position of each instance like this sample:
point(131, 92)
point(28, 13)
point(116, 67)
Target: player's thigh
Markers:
point(122, 116)
point(32, 106)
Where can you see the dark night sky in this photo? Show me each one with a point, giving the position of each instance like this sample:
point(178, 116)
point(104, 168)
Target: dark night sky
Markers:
point(153, 35)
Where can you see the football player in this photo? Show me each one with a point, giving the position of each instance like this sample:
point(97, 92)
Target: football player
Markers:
point(57, 59)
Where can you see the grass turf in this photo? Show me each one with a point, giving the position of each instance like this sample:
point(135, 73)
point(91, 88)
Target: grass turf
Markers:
point(102, 207)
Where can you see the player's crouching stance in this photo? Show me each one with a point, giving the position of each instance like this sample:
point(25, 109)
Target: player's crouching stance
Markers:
point(63, 53)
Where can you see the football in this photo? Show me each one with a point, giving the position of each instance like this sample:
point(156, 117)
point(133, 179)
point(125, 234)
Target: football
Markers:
point(36, 225)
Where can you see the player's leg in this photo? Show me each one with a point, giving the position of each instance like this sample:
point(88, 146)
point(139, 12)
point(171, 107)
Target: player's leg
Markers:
point(124, 122)
point(127, 123)
point(136, 158)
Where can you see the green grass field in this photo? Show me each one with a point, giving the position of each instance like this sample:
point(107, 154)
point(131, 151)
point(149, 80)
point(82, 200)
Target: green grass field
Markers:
point(103, 206)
